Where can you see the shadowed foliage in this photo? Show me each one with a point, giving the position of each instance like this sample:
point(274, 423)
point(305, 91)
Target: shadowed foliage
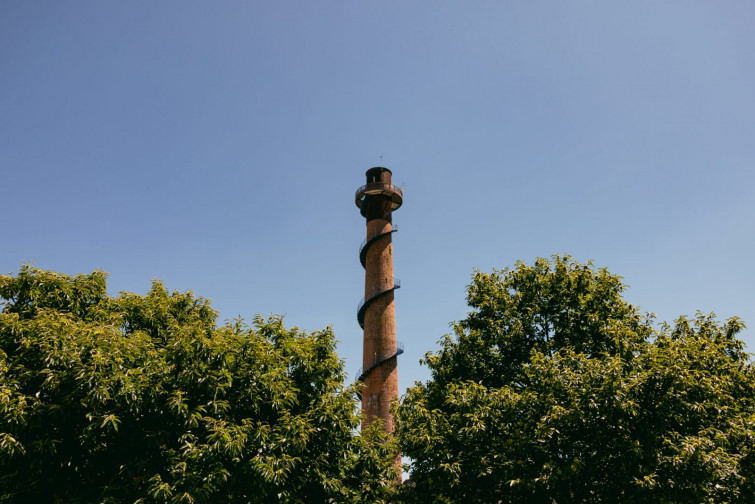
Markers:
point(143, 399)
point(554, 389)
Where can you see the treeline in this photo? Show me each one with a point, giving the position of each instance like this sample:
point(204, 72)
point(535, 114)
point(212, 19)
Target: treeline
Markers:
point(553, 389)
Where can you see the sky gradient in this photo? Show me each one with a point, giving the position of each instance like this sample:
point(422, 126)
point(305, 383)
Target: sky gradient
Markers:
point(217, 146)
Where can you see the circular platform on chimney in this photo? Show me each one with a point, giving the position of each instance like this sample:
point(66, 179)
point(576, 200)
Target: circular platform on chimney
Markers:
point(379, 189)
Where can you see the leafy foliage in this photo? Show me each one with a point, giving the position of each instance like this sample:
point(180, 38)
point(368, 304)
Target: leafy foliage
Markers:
point(143, 399)
point(555, 389)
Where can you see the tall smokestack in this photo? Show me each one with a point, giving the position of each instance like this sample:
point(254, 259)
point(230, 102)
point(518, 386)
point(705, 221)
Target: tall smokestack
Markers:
point(376, 200)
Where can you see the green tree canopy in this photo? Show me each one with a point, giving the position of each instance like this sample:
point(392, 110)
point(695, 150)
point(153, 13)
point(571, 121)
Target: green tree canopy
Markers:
point(143, 399)
point(555, 389)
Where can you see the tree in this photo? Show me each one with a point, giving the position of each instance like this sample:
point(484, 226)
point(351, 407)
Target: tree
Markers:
point(555, 389)
point(143, 399)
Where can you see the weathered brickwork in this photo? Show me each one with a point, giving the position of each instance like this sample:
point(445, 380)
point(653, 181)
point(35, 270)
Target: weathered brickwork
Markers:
point(377, 199)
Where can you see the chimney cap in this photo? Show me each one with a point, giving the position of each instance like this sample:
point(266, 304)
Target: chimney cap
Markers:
point(377, 169)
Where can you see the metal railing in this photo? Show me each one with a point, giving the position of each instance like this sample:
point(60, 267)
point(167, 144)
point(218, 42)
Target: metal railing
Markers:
point(366, 302)
point(365, 246)
point(378, 188)
point(361, 375)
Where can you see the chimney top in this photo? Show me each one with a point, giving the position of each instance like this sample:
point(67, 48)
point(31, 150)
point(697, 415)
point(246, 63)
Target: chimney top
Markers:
point(379, 174)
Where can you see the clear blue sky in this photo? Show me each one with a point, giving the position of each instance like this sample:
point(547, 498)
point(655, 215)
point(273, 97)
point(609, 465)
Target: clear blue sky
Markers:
point(217, 146)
